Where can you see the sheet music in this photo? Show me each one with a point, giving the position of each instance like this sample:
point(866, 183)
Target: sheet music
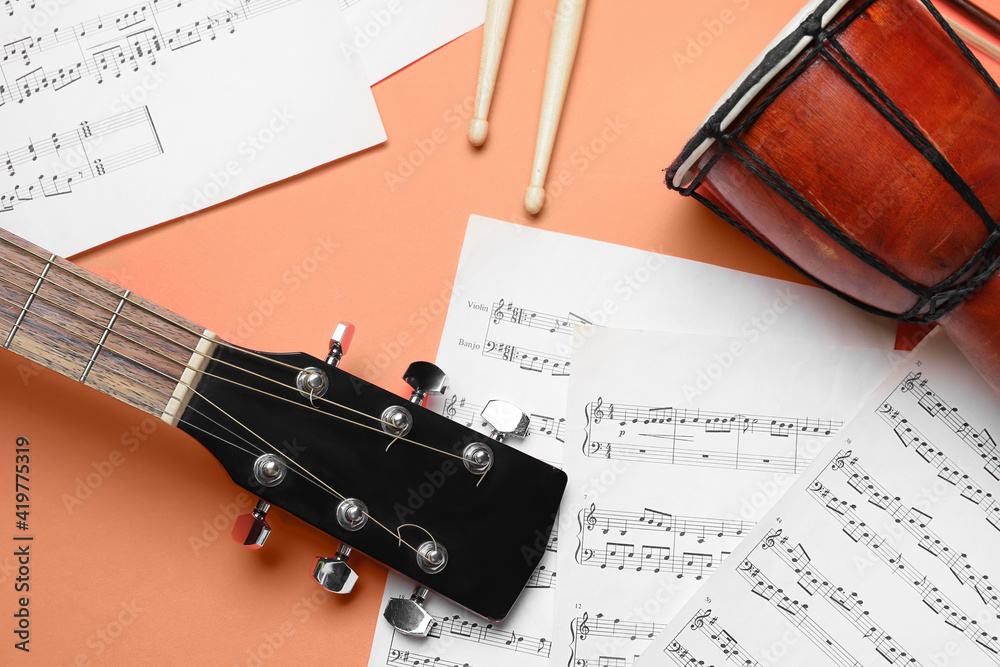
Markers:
point(509, 334)
point(668, 474)
point(391, 34)
point(116, 115)
point(884, 550)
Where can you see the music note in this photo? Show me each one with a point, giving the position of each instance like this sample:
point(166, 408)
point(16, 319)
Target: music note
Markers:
point(661, 519)
point(463, 629)
point(927, 402)
point(618, 554)
point(659, 415)
point(781, 429)
point(698, 563)
point(55, 186)
point(121, 140)
point(719, 425)
point(656, 556)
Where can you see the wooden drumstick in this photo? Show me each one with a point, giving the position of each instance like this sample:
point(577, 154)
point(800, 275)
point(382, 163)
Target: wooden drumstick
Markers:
point(979, 15)
point(494, 36)
point(562, 52)
point(972, 38)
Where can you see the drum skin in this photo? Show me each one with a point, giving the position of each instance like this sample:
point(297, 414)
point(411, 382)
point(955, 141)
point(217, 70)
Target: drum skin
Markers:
point(844, 157)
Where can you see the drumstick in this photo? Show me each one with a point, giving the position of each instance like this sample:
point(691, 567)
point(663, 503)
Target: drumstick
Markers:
point(983, 45)
point(494, 36)
point(979, 15)
point(562, 52)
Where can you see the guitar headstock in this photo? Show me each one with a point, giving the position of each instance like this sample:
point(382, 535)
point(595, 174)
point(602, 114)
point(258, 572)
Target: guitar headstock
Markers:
point(457, 511)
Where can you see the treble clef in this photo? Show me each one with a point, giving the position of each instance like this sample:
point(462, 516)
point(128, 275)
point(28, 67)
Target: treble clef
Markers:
point(598, 412)
point(498, 313)
point(910, 381)
point(589, 518)
point(449, 407)
point(841, 460)
point(698, 622)
point(583, 630)
point(770, 539)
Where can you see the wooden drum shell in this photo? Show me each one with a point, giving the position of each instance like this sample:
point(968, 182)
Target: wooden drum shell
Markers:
point(844, 160)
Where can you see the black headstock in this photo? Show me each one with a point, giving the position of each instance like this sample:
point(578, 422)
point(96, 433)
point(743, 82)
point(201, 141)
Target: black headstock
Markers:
point(494, 527)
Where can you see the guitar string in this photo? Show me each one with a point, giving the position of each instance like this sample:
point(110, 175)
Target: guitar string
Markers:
point(212, 375)
point(302, 468)
point(327, 486)
point(160, 317)
point(145, 308)
point(254, 450)
point(152, 409)
point(194, 351)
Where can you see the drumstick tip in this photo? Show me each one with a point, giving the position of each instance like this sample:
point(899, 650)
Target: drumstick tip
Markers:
point(478, 128)
point(534, 198)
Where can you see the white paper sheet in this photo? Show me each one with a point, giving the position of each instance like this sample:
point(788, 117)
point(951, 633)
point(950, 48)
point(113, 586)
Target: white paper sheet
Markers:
point(509, 334)
point(884, 550)
point(674, 451)
point(117, 115)
point(391, 34)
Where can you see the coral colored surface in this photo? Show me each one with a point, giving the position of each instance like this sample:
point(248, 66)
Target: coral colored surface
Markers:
point(132, 562)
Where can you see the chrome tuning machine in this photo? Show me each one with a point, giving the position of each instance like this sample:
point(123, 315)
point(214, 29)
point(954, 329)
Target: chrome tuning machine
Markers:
point(340, 341)
point(425, 378)
point(334, 574)
point(409, 616)
point(251, 530)
point(506, 419)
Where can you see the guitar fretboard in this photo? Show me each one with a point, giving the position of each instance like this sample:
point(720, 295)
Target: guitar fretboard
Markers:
point(89, 329)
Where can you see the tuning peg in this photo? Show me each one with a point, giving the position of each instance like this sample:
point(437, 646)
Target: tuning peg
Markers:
point(251, 530)
point(409, 616)
point(506, 419)
point(339, 342)
point(425, 378)
point(334, 574)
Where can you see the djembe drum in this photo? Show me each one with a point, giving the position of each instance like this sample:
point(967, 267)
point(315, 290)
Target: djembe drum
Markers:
point(863, 148)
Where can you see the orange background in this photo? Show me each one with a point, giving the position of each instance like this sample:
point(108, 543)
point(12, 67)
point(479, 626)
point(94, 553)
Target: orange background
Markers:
point(135, 573)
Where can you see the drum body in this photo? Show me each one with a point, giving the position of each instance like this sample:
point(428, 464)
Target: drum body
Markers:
point(863, 149)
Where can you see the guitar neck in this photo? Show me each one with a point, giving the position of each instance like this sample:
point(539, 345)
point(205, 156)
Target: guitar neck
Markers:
point(89, 329)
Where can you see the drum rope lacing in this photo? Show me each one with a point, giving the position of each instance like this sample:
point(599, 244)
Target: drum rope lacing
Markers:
point(933, 302)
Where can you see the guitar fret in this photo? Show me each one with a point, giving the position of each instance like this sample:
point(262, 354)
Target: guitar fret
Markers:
point(104, 335)
point(27, 304)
